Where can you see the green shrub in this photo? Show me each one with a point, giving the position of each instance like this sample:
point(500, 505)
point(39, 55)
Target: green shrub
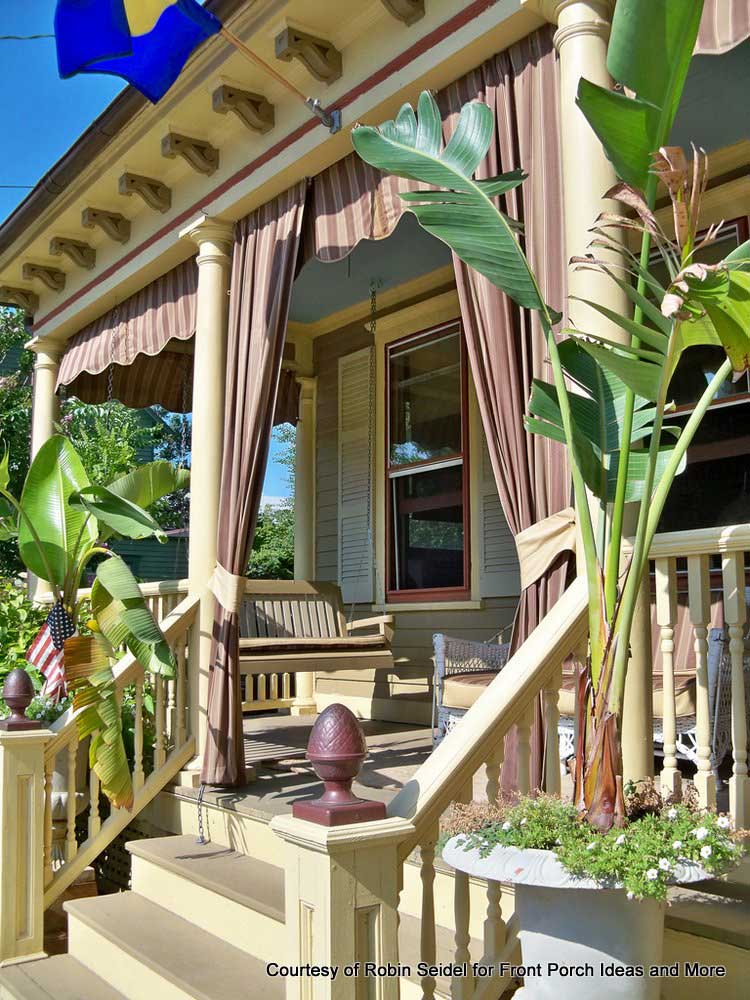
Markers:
point(20, 620)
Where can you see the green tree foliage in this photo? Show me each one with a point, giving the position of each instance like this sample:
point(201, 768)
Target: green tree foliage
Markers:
point(272, 555)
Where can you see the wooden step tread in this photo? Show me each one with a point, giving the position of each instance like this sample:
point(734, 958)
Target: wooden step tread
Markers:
point(236, 876)
point(720, 918)
point(61, 977)
point(198, 963)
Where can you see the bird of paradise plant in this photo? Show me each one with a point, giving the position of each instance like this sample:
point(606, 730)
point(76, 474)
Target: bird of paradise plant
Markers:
point(62, 522)
point(609, 398)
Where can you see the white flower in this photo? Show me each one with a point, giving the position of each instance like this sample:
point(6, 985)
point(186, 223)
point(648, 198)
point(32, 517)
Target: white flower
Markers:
point(620, 840)
point(706, 851)
point(676, 845)
point(506, 826)
point(591, 846)
point(652, 874)
point(701, 833)
point(723, 823)
point(523, 821)
point(672, 814)
point(629, 894)
point(558, 841)
point(664, 864)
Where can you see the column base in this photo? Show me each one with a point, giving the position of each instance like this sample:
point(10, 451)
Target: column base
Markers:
point(671, 782)
point(705, 785)
point(304, 708)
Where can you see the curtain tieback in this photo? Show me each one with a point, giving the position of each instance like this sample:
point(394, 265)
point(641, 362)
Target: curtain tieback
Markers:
point(228, 589)
point(540, 544)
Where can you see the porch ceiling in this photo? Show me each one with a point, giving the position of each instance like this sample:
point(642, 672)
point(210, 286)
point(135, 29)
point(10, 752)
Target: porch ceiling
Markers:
point(325, 288)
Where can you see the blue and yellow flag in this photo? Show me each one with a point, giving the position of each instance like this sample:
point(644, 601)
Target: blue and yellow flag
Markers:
point(146, 42)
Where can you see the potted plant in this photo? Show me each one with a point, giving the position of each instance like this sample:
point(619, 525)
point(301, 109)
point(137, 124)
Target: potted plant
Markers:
point(633, 454)
point(62, 522)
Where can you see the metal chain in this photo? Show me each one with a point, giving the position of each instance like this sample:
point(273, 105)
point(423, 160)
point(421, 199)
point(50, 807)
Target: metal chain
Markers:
point(201, 837)
point(183, 421)
point(111, 369)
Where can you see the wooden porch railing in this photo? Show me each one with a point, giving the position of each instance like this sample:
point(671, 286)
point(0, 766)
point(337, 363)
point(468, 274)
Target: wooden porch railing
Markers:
point(157, 758)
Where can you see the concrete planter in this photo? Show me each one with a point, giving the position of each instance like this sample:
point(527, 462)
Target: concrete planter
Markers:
point(575, 933)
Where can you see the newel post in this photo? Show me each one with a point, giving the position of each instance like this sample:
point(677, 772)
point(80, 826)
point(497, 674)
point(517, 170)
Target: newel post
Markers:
point(22, 744)
point(343, 874)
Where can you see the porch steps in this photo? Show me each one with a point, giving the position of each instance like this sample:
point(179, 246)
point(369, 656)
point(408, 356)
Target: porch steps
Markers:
point(146, 951)
point(61, 977)
point(708, 915)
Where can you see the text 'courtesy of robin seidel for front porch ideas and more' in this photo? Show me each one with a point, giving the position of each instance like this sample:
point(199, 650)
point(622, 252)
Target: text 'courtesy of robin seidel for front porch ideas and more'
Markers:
point(502, 970)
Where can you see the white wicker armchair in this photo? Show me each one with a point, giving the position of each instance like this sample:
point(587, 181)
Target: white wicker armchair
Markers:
point(463, 668)
point(720, 708)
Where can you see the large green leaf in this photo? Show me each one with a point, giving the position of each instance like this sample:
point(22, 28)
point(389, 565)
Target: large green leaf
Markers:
point(731, 319)
point(149, 483)
point(650, 47)
point(91, 682)
point(465, 217)
point(639, 373)
point(124, 618)
point(5, 471)
point(55, 475)
point(120, 515)
point(637, 468)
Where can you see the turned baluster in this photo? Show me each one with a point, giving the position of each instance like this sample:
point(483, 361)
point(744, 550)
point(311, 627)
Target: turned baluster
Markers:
point(160, 753)
point(261, 687)
point(138, 775)
point(49, 767)
point(551, 697)
point(735, 613)
point(71, 844)
point(494, 926)
point(666, 619)
point(428, 942)
point(95, 822)
point(523, 727)
point(699, 601)
point(181, 708)
point(462, 987)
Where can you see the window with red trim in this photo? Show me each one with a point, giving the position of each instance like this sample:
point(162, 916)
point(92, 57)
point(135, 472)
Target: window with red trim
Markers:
point(427, 467)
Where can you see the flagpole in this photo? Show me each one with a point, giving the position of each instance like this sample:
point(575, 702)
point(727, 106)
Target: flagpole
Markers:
point(331, 119)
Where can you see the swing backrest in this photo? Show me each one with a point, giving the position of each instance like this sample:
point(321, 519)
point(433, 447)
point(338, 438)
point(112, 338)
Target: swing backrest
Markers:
point(278, 609)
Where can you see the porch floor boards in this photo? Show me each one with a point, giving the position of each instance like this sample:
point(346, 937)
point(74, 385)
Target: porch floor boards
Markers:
point(275, 746)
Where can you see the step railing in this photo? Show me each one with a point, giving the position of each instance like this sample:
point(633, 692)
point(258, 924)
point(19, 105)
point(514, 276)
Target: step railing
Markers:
point(162, 745)
point(711, 565)
point(161, 595)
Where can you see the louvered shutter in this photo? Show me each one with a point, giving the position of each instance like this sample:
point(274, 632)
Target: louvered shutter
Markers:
point(499, 575)
point(355, 478)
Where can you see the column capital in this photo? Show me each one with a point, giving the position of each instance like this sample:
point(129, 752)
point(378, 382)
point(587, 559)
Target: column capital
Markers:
point(48, 352)
point(574, 17)
point(214, 238)
point(307, 385)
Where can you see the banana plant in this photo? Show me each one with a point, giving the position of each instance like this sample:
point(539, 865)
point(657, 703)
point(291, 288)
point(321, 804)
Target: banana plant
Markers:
point(62, 521)
point(608, 399)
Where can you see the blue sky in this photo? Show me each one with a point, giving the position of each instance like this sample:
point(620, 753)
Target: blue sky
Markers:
point(43, 116)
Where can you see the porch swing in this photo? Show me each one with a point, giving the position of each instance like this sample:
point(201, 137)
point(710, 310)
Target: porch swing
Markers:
point(300, 626)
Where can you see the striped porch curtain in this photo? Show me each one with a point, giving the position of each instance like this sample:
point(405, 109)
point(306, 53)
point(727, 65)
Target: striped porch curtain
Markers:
point(725, 24)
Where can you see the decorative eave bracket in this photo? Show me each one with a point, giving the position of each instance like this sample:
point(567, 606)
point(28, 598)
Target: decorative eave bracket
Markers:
point(52, 277)
point(197, 153)
point(116, 226)
point(319, 57)
point(253, 110)
point(407, 11)
point(22, 298)
point(155, 194)
point(77, 251)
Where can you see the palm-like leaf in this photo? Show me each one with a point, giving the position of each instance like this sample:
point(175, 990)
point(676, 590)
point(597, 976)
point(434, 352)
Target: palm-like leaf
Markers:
point(119, 515)
point(462, 215)
point(124, 617)
point(91, 682)
point(149, 483)
point(62, 531)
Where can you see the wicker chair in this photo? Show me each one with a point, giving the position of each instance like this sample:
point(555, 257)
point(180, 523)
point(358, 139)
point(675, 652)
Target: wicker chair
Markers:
point(462, 670)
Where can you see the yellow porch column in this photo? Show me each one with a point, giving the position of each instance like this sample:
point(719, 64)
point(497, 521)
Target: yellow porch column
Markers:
point(45, 404)
point(581, 41)
point(45, 410)
point(304, 520)
point(214, 240)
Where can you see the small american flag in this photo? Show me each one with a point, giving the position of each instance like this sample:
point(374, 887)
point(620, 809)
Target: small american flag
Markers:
point(47, 651)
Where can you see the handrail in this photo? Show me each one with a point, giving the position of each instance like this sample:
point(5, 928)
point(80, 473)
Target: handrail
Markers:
point(464, 749)
point(700, 541)
point(152, 588)
point(127, 669)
